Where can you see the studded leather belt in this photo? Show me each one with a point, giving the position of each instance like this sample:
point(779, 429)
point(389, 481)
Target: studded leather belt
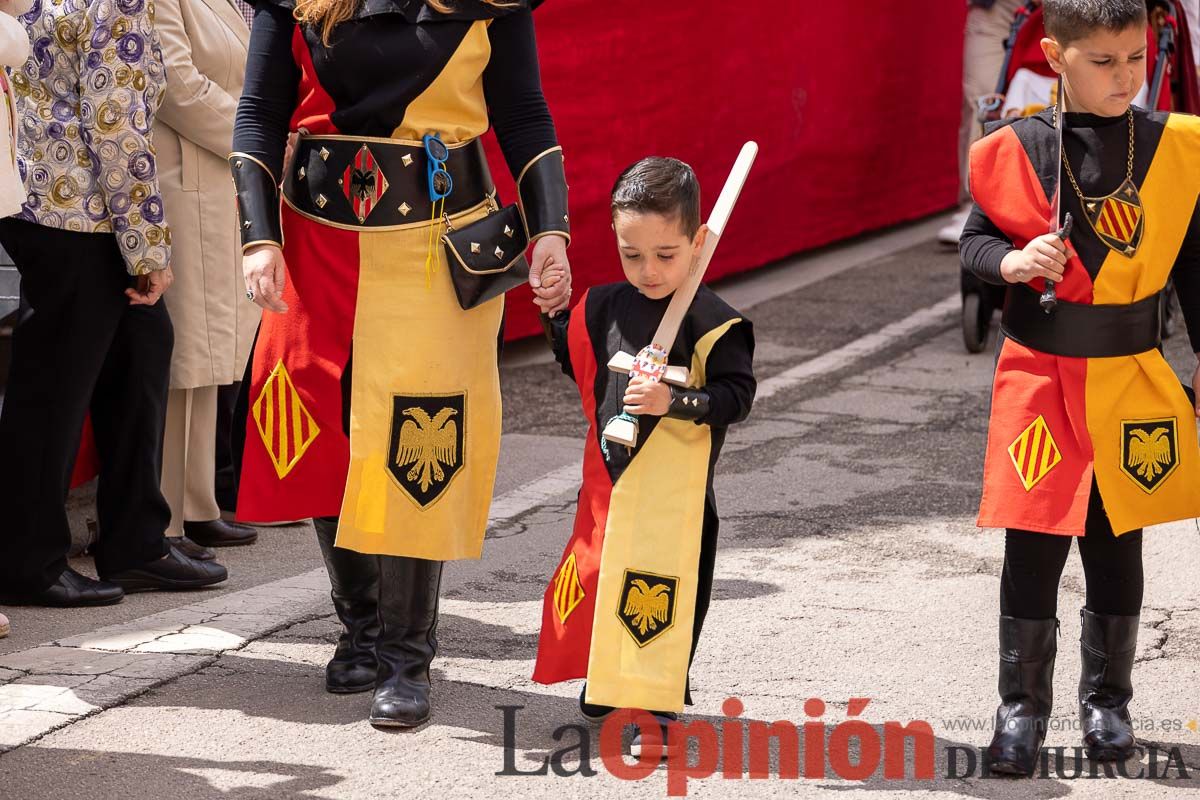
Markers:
point(1079, 330)
point(356, 183)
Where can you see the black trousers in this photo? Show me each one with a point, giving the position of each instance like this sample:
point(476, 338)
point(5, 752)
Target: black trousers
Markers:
point(708, 561)
point(1033, 565)
point(225, 479)
point(80, 346)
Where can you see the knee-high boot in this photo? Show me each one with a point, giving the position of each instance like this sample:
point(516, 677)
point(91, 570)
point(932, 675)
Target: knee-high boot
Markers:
point(407, 643)
point(354, 582)
point(1108, 644)
point(1027, 650)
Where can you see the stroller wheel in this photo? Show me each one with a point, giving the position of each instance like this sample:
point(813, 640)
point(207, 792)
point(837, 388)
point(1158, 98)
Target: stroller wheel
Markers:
point(975, 322)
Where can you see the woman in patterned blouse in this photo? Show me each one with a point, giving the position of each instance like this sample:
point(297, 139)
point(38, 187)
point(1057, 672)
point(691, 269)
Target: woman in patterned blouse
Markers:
point(94, 255)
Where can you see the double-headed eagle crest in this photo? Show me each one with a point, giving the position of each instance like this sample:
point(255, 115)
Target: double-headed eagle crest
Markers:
point(426, 444)
point(1150, 451)
point(647, 607)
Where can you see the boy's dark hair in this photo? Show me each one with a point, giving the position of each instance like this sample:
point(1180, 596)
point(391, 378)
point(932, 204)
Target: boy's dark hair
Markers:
point(1070, 20)
point(658, 185)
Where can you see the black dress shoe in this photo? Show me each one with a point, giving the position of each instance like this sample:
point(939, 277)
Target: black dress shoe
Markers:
point(219, 533)
point(191, 549)
point(73, 590)
point(172, 572)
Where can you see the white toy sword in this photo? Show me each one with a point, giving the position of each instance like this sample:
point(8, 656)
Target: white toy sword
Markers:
point(651, 362)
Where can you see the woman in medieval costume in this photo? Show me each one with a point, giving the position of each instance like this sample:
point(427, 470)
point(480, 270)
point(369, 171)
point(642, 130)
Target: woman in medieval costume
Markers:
point(373, 399)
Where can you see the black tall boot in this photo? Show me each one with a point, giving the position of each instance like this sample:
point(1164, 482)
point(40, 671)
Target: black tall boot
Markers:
point(354, 582)
point(408, 612)
point(1107, 646)
point(1027, 650)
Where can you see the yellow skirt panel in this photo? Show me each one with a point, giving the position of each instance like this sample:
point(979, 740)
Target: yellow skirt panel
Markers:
point(425, 411)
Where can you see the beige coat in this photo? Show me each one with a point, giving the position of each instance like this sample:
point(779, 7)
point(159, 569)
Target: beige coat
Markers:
point(204, 47)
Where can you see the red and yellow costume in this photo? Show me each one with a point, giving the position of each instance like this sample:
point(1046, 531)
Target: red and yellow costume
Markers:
point(376, 397)
point(1120, 418)
point(627, 601)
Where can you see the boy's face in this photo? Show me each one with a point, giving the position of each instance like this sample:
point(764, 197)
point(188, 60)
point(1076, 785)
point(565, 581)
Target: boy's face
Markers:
point(656, 253)
point(1103, 71)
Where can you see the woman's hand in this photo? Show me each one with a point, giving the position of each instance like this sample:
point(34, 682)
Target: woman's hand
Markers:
point(647, 397)
point(1044, 257)
point(150, 287)
point(266, 276)
point(549, 257)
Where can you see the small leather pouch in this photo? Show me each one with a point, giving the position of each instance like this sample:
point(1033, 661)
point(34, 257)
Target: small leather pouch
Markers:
point(487, 257)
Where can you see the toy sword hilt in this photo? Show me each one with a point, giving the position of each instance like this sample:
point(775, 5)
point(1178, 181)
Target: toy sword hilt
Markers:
point(1049, 298)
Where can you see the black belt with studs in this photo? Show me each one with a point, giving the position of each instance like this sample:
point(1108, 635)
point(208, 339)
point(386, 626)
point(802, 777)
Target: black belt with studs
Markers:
point(377, 183)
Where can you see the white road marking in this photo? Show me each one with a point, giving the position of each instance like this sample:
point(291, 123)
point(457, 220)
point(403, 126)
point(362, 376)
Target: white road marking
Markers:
point(859, 349)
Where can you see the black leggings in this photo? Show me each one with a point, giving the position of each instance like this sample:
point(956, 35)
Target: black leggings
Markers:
point(1033, 565)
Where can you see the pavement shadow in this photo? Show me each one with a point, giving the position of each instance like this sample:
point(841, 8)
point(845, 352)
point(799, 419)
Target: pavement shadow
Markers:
point(531, 733)
point(467, 637)
point(35, 771)
point(458, 636)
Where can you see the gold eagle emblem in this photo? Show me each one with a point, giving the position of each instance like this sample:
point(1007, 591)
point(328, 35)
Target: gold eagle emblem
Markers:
point(646, 607)
point(426, 444)
point(1149, 453)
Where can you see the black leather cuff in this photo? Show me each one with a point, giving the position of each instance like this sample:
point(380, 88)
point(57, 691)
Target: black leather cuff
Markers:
point(257, 201)
point(542, 186)
point(693, 404)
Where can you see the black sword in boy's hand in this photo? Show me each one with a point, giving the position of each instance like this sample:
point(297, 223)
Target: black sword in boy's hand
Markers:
point(1049, 297)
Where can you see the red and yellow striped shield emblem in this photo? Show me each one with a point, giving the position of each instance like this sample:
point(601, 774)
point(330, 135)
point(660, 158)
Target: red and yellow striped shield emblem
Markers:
point(568, 592)
point(286, 427)
point(1118, 219)
point(1034, 453)
point(363, 183)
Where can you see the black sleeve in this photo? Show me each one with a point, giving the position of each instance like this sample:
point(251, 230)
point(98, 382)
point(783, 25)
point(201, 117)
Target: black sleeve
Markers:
point(269, 94)
point(1187, 279)
point(512, 87)
point(982, 247)
point(556, 334)
point(730, 381)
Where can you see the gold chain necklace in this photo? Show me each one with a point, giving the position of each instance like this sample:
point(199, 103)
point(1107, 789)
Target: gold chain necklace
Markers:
point(1118, 219)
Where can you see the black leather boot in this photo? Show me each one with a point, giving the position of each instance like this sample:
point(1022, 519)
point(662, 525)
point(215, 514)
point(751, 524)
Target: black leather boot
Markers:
point(408, 611)
point(354, 582)
point(1027, 649)
point(1108, 644)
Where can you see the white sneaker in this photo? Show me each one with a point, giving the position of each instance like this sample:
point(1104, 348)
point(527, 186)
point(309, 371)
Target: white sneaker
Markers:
point(5, 629)
point(952, 231)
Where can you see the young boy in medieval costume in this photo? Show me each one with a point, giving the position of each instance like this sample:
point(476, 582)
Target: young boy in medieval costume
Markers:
point(1091, 435)
point(627, 602)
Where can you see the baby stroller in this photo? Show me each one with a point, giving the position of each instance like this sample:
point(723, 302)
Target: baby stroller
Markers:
point(1024, 87)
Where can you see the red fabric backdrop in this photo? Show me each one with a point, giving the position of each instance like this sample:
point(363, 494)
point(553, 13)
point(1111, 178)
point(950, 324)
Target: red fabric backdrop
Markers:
point(855, 106)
